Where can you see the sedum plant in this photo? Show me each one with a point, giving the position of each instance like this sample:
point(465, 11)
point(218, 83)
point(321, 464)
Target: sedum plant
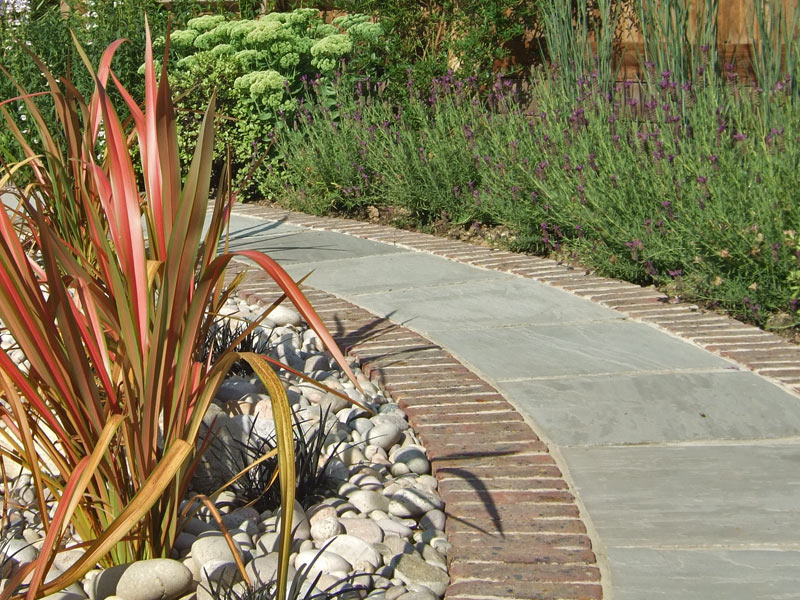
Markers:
point(109, 286)
point(258, 67)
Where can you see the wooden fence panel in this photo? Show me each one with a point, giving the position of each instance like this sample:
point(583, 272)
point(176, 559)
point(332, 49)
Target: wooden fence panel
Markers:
point(736, 32)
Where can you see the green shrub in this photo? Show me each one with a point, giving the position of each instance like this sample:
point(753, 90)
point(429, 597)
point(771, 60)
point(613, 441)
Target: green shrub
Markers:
point(44, 29)
point(692, 188)
point(432, 37)
point(258, 68)
point(686, 179)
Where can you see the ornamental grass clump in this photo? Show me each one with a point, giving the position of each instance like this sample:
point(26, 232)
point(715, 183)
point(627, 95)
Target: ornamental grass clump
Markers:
point(311, 465)
point(109, 286)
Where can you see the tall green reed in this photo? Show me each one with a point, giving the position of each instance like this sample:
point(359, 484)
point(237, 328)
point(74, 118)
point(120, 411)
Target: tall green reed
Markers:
point(665, 30)
point(775, 56)
point(570, 28)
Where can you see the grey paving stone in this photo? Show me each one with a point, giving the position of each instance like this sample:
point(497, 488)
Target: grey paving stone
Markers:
point(289, 244)
point(690, 520)
point(666, 407)
point(704, 574)
point(612, 346)
point(388, 272)
point(477, 305)
point(690, 495)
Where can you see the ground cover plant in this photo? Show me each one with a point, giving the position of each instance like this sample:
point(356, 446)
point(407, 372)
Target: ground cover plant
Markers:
point(108, 287)
point(687, 178)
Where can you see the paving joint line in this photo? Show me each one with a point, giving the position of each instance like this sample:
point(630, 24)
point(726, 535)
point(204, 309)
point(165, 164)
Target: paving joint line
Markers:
point(689, 371)
point(779, 441)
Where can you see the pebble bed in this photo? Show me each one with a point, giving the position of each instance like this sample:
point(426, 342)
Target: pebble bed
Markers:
point(378, 534)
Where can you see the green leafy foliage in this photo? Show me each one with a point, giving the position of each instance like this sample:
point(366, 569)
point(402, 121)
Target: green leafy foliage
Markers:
point(691, 187)
point(257, 68)
point(429, 38)
point(45, 31)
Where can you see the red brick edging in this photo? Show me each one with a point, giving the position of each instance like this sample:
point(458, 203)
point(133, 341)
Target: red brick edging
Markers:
point(515, 528)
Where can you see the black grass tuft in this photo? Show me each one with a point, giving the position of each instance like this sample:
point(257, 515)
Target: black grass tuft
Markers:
point(313, 484)
point(221, 335)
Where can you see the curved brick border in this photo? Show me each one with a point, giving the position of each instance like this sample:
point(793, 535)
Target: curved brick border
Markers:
point(765, 353)
point(515, 528)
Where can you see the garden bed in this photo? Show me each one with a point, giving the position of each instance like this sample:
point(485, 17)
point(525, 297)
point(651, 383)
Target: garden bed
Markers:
point(368, 517)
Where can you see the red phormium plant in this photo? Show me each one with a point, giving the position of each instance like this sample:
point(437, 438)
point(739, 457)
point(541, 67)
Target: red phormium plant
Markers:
point(108, 291)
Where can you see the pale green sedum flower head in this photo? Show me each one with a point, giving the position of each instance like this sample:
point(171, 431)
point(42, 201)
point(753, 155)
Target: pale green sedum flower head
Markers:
point(183, 39)
point(205, 23)
point(222, 49)
point(328, 51)
point(265, 87)
point(240, 29)
point(214, 37)
point(366, 31)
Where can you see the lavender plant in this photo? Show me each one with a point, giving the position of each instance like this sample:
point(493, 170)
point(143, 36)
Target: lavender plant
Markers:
point(689, 186)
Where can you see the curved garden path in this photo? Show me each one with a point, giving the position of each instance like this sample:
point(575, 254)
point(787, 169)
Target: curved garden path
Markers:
point(591, 440)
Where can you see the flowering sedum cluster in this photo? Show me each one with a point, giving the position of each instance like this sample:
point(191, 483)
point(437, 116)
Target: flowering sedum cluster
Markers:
point(206, 22)
point(267, 89)
point(258, 69)
point(292, 44)
point(183, 40)
point(329, 51)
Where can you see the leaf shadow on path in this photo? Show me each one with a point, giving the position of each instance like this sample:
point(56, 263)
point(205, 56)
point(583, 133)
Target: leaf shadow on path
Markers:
point(373, 330)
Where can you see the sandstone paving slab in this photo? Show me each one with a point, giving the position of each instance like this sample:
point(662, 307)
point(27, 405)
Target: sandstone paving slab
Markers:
point(529, 351)
point(690, 495)
point(477, 305)
point(289, 244)
point(388, 272)
point(246, 228)
point(694, 517)
point(704, 574)
point(657, 407)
